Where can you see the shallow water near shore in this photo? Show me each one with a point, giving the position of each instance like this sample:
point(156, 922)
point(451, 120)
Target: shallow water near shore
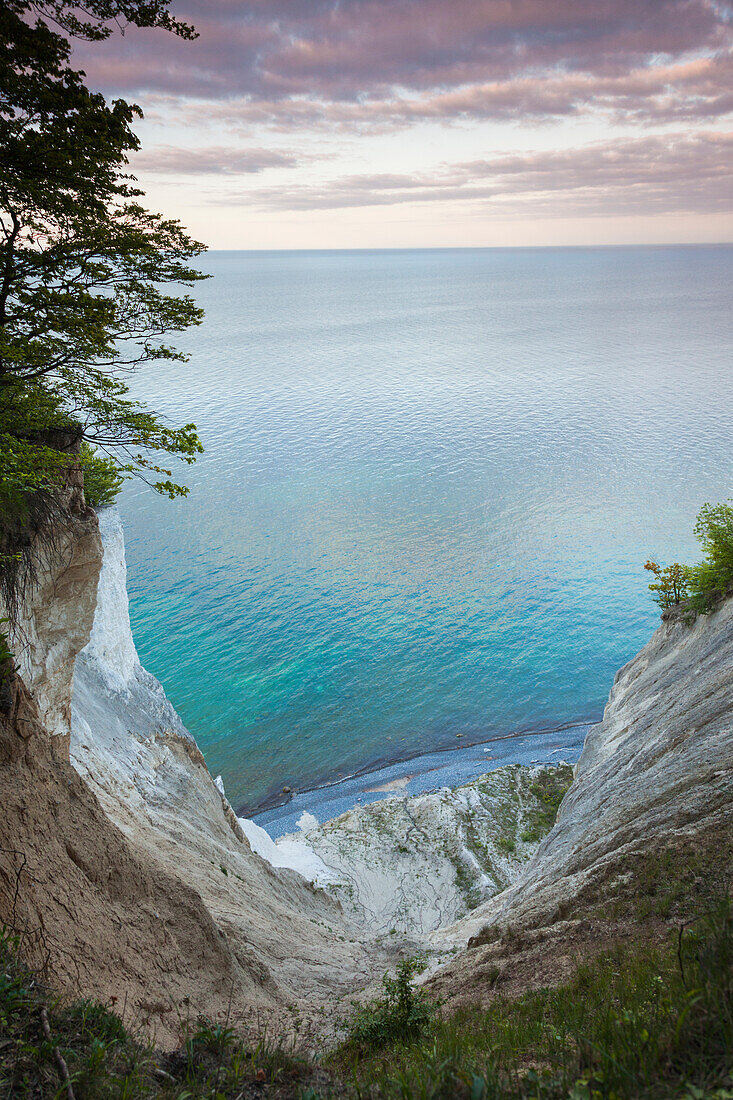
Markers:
point(431, 482)
point(423, 774)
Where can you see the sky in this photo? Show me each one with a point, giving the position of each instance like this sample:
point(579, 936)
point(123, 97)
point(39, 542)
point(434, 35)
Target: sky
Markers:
point(434, 123)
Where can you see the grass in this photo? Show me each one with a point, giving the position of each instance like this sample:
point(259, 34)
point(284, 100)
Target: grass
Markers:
point(106, 1062)
point(633, 1024)
point(549, 788)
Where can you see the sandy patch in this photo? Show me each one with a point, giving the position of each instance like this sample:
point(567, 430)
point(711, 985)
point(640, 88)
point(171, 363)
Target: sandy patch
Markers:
point(393, 785)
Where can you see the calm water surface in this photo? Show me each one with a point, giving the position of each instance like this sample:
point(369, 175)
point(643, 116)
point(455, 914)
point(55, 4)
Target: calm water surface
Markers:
point(431, 481)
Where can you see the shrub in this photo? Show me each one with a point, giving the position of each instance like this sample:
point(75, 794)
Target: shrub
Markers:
point(671, 585)
point(704, 584)
point(403, 1014)
point(549, 788)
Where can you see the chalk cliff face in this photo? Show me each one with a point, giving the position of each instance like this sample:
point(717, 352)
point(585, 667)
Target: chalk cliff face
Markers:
point(655, 776)
point(127, 871)
point(126, 865)
point(57, 608)
point(147, 772)
point(411, 865)
point(93, 908)
point(97, 913)
point(126, 736)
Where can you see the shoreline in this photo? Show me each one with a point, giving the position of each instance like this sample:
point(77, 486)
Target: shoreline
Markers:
point(420, 774)
point(379, 764)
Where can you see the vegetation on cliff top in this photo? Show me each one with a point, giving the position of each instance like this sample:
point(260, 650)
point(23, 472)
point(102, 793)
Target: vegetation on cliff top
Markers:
point(704, 584)
point(83, 265)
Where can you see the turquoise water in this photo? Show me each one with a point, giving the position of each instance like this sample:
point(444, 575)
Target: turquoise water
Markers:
point(431, 481)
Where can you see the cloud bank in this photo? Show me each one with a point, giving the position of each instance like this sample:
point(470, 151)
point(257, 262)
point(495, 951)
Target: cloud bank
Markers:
point(389, 62)
point(337, 82)
point(677, 173)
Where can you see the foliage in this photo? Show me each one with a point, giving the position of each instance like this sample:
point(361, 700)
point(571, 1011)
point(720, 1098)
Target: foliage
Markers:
point(403, 1014)
point(713, 576)
point(106, 1061)
point(704, 584)
point(6, 656)
point(671, 584)
point(83, 265)
point(549, 788)
point(102, 482)
point(633, 1024)
point(96, 19)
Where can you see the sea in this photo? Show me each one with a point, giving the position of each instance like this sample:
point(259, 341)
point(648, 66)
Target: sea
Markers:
point(431, 481)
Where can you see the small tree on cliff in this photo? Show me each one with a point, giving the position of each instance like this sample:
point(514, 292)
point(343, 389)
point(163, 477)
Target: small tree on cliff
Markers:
point(82, 263)
point(671, 585)
point(711, 579)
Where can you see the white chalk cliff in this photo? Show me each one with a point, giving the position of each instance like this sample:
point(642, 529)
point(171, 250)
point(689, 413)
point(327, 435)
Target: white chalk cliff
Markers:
point(143, 877)
point(133, 751)
point(655, 774)
point(406, 865)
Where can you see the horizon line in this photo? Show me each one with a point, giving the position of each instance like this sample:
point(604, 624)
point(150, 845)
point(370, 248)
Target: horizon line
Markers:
point(488, 247)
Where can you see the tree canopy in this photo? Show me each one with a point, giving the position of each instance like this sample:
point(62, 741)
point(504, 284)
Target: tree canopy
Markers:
point(90, 280)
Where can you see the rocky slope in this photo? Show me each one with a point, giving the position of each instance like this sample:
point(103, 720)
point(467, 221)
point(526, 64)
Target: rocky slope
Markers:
point(135, 754)
point(123, 868)
point(99, 915)
point(58, 590)
point(651, 804)
point(409, 865)
point(404, 865)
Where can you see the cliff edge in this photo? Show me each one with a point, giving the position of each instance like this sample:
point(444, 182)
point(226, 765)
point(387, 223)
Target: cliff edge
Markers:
point(647, 822)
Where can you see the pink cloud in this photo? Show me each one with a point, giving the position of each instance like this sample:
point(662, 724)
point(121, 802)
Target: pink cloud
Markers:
point(688, 173)
point(212, 160)
point(378, 61)
point(698, 89)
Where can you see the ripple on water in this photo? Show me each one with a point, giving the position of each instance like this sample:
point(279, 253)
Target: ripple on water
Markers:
point(431, 481)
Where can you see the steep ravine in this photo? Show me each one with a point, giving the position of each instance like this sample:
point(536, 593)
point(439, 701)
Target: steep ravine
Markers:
point(135, 754)
point(122, 860)
point(402, 867)
point(127, 875)
point(95, 912)
point(422, 873)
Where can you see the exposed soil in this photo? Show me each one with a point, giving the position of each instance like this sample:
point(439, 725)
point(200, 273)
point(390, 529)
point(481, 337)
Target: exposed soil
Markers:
point(644, 897)
point(95, 915)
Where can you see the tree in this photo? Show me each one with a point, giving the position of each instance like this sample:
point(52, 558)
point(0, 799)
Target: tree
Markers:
point(671, 584)
point(83, 265)
point(705, 583)
point(713, 576)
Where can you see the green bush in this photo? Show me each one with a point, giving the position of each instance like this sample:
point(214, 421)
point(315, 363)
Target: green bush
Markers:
point(713, 576)
point(634, 1023)
point(403, 1014)
point(700, 586)
point(102, 482)
point(549, 788)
